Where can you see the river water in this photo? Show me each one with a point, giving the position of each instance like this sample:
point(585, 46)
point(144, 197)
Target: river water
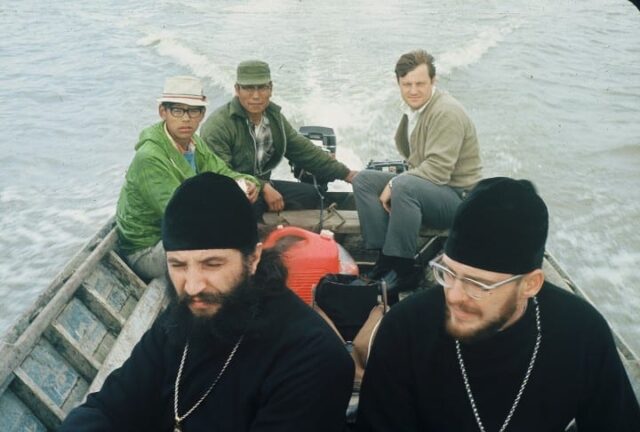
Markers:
point(553, 87)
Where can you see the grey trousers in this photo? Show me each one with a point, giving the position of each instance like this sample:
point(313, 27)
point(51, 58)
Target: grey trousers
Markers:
point(149, 263)
point(414, 202)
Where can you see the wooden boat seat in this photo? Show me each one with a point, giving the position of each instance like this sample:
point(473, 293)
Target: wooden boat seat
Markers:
point(337, 220)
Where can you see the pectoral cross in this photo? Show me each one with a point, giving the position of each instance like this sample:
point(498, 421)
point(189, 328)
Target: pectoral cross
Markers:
point(177, 427)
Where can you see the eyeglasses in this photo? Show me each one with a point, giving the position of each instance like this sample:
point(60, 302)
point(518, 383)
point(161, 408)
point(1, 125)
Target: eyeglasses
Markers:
point(473, 288)
point(193, 112)
point(250, 88)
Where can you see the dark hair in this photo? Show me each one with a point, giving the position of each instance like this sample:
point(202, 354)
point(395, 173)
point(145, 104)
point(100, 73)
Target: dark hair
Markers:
point(411, 60)
point(247, 251)
point(271, 274)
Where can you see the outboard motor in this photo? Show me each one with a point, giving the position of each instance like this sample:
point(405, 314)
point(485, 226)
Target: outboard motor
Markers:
point(392, 166)
point(325, 139)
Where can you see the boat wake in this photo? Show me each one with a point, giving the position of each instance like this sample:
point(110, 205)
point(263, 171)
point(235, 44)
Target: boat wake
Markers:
point(472, 52)
point(167, 45)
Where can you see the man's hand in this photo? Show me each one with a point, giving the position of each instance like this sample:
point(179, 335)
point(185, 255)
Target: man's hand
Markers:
point(350, 176)
point(385, 198)
point(252, 192)
point(272, 197)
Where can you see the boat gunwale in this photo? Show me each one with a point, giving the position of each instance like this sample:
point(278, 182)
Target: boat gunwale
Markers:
point(20, 324)
point(623, 346)
point(52, 301)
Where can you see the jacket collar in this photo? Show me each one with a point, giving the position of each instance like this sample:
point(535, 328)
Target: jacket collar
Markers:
point(437, 93)
point(174, 143)
point(160, 139)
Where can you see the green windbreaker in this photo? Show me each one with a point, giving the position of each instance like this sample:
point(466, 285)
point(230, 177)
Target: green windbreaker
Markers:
point(155, 173)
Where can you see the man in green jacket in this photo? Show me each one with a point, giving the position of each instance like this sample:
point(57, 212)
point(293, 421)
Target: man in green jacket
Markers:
point(251, 135)
point(167, 153)
point(439, 142)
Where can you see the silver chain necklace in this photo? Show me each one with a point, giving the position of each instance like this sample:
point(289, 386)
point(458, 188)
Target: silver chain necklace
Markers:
point(178, 419)
point(522, 386)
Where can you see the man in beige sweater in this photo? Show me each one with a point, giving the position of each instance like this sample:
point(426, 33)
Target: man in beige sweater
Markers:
point(440, 145)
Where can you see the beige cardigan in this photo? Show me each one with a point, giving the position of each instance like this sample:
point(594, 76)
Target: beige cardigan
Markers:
point(443, 147)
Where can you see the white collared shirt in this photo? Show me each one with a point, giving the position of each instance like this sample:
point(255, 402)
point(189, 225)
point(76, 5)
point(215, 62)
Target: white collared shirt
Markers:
point(412, 115)
point(263, 138)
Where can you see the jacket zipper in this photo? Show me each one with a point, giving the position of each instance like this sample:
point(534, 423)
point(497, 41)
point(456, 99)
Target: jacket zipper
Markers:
point(255, 149)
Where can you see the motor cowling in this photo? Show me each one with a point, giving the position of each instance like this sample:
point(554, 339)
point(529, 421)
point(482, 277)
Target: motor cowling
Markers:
point(325, 139)
point(391, 166)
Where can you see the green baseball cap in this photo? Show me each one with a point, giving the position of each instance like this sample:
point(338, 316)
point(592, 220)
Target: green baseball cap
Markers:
point(253, 72)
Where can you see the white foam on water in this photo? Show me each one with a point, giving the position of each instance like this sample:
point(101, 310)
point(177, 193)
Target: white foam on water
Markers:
point(12, 194)
point(75, 216)
point(609, 282)
point(615, 273)
point(167, 44)
point(472, 52)
point(351, 104)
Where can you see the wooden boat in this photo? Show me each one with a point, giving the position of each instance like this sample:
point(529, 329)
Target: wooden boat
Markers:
point(86, 322)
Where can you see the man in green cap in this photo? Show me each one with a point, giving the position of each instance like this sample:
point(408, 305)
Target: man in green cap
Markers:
point(252, 136)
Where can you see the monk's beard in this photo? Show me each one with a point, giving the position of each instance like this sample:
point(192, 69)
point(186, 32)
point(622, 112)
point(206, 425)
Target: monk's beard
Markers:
point(483, 330)
point(238, 308)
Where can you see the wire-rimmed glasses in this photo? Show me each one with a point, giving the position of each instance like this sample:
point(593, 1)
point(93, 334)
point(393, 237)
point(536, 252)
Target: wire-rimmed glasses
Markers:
point(473, 288)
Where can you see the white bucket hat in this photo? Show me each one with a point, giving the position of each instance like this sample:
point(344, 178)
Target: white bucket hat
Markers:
point(183, 89)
